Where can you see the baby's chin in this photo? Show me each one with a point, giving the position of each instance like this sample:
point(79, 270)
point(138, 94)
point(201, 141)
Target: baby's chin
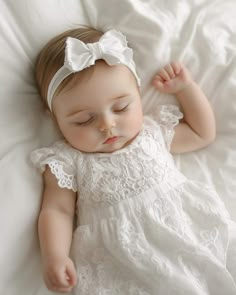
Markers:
point(100, 149)
point(110, 148)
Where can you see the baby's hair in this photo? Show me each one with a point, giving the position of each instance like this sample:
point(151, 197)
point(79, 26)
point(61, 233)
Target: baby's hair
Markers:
point(51, 58)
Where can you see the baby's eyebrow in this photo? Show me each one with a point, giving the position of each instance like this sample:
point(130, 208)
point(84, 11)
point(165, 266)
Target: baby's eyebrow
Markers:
point(121, 96)
point(73, 113)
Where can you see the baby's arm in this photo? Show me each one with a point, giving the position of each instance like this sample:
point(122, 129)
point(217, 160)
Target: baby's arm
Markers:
point(55, 228)
point(198, 127)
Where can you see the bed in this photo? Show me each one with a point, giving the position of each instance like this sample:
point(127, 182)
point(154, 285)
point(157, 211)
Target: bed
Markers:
point(199, 33)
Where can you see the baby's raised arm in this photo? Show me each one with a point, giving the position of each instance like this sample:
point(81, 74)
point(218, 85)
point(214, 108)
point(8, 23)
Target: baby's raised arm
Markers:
point(197, 129)
point(55, 228)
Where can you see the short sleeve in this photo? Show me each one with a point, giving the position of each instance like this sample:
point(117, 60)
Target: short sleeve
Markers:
point(168, 116)
point(61, 160)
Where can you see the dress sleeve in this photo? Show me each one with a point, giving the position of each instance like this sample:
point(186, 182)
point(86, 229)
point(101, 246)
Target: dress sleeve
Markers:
point(168, 117)
point(61, 160)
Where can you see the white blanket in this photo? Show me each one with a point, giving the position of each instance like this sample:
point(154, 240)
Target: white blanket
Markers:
point(200, 33)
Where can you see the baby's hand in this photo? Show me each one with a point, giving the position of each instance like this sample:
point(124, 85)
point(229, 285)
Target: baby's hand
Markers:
point(60, 274)
point(172, 79)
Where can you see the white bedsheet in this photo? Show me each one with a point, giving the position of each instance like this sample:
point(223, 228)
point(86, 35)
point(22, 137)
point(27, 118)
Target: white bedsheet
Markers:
point(200, 33)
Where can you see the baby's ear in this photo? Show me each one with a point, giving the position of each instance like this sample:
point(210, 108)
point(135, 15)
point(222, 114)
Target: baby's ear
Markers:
point(46, 108)
point(50, 114)
point(48, 111)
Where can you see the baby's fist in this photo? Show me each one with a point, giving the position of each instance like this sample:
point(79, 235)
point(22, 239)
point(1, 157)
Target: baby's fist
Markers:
point(60, 274)
point(173, 78)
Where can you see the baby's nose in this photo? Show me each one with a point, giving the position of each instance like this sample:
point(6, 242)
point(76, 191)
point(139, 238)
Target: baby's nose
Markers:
point(107, 123)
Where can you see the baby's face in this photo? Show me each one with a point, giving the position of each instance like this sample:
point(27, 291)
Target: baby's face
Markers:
point(102, 113)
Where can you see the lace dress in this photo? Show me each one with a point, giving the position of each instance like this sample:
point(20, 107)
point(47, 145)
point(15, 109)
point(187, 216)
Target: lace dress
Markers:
point(143, 228)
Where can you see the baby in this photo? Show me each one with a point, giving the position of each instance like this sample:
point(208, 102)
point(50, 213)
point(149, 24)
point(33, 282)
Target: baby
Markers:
point(142, 227)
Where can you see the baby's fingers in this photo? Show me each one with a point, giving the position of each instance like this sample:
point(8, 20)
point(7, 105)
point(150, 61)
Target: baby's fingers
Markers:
point(71, 274)
point(170, 71)
point(59, 279)
point(56, 285)
point(176, 67)
point(159, 84)
point(164, 75)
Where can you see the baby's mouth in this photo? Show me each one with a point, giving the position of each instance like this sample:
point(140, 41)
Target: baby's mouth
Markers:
point(111, 139)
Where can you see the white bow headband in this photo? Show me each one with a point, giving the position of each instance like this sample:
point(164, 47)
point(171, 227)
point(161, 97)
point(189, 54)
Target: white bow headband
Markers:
point(112, 47)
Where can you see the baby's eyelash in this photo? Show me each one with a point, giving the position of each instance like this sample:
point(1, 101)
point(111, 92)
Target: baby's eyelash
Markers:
point(122, 110)
point(90, 120)
point(85, 123)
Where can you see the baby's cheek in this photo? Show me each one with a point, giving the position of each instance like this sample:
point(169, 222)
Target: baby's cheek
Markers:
point(80, 135)
point(136, 120)
point(85, 136)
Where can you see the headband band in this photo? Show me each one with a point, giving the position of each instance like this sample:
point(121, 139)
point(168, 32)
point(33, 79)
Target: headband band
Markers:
point(112, 48)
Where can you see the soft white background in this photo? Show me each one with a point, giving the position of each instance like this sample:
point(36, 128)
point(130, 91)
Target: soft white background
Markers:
point(200, 33)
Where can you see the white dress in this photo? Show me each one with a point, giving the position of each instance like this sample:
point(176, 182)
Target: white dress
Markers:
point(143, 228)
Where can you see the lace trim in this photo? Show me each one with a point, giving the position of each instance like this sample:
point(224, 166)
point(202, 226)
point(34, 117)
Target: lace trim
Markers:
point(65, 180)
point(168, 117)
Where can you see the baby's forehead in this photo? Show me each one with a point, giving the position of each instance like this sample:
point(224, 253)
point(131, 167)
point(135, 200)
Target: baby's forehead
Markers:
point(101, 78)
point(97, 73)
point(101, 85)
point(101, 67)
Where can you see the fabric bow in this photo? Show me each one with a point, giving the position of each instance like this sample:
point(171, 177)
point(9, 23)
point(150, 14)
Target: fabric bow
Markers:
point(112, 47)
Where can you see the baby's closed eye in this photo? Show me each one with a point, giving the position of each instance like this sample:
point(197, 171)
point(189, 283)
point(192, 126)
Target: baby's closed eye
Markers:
point(121, 108)
point(88, 121)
